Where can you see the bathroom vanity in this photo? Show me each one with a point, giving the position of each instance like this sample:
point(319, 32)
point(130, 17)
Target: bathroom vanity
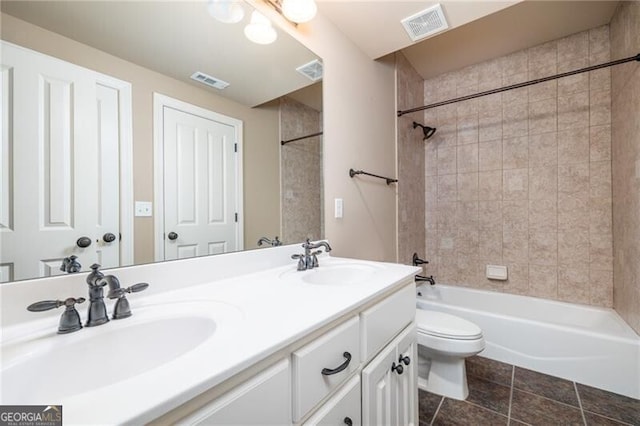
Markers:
point(235, 338)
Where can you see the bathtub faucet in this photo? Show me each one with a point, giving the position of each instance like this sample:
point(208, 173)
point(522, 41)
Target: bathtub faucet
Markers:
point(417, 261)
point(428, 279)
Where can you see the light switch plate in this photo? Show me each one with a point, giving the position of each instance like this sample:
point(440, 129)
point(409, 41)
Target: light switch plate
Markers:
point(338, 208)
point(144, 209)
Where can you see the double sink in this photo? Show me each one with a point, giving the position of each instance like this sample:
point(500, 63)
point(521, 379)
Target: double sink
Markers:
point(40, 366)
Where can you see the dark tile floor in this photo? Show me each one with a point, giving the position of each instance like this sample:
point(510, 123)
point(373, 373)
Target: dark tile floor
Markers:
point(502, 394)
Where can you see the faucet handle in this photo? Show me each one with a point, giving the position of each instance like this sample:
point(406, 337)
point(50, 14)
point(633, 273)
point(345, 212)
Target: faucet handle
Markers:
point(47, 305)
point(302, 266)
point(122, 309)
point(70, 319)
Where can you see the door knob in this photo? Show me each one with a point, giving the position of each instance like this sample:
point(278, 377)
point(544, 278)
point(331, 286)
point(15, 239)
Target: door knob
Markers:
point(404, 359)
point(83, 242)
point(108, 237)
point(172, 236)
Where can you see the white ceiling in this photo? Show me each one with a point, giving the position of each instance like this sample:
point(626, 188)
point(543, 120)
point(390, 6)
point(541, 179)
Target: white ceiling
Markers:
point(478, 30)
point(149, 32)
point(176, 38)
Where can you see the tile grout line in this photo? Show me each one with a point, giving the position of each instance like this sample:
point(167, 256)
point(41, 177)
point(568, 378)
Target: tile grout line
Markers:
point(584, 418)
point(513, 374)
point(437, 411)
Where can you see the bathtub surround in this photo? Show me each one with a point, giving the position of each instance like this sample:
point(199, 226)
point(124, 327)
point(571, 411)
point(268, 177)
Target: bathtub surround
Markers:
point(410, 148)
point(523, 178)
point(501, 393)
point(625, 134)
point(301, 169)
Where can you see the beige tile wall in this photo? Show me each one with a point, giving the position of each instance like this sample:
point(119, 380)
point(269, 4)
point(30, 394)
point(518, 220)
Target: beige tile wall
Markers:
point(411, 192)
point(625, 103)
point(301, 173)
point(523, 178)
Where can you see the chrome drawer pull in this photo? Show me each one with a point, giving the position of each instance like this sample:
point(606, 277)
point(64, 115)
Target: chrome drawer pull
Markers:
point(329, 372)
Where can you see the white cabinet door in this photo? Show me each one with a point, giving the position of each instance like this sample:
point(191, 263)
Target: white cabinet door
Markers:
point(388, 396)
point(377, 389)
point(343, 409)
point(406, 383)
point(262, 400)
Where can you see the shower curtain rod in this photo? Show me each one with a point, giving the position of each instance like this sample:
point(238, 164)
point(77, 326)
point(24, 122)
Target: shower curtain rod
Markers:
point(300, 138)
point(519, 85)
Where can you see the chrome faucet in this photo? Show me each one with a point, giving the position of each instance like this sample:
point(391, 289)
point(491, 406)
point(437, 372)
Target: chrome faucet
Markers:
point(274, 243)
point(309, 259)
point(97, 314)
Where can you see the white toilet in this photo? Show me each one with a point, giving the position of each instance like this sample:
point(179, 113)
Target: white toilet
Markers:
point(444, 341)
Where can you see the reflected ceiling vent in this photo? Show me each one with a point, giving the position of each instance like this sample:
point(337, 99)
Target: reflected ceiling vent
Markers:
point(313, 70)
point(209, 81)
point(425, 23)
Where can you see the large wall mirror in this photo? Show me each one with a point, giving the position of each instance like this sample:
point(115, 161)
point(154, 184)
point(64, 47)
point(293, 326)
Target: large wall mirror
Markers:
point(111, 128)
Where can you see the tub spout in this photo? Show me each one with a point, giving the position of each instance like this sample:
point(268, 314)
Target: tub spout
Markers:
point(429, 279)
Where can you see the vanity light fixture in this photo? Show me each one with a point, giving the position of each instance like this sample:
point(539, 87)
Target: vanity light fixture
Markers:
point(260, 30)
point(295, 11)
point(226, 11)
point(299, 11)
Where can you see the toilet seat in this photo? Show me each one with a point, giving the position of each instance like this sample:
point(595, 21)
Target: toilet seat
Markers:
point(443, 325)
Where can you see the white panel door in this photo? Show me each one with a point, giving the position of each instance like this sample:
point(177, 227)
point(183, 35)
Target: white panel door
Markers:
point(59, 166)
point(200, 185)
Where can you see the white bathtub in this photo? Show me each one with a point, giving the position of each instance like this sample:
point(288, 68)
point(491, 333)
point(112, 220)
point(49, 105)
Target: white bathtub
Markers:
point(585, 344)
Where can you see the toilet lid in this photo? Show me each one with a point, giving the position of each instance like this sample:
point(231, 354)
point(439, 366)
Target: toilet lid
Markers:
point(444, 325)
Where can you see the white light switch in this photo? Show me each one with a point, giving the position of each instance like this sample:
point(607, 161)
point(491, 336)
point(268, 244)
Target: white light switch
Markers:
point(144, 208)
point(338, 208)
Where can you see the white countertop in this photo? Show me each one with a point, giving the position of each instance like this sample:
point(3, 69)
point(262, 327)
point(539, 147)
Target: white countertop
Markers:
point(266, 311)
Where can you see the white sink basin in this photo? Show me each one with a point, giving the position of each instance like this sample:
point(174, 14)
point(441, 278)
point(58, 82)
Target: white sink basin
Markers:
point(59, 366)
point(335, 274)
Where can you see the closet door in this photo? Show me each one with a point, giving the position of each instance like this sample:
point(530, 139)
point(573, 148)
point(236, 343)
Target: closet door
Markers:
point(60, 170)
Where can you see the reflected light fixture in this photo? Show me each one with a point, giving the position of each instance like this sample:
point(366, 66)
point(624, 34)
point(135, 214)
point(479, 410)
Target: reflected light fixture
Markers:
point(260, 30)
point(299, 11)
point(226, 11)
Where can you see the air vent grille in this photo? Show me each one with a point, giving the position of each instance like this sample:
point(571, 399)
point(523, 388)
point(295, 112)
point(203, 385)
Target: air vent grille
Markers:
point(312, 70)
point(425, 23)
point(209, 81)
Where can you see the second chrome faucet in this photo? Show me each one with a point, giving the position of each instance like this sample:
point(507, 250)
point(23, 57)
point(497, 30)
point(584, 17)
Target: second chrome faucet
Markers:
point(309, 259)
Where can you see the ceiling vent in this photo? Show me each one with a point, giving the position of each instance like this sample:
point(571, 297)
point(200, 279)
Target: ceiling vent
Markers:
point(209, 81)
point(312, 70)
point(425, 23)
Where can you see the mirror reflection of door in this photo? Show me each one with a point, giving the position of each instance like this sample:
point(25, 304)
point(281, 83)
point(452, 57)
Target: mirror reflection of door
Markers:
point(201, 190)
point(62, 125)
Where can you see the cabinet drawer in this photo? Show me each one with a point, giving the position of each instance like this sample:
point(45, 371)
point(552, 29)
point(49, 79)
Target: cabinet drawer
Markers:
point(263, 399)
point(383, 321)
point(328, 351)
point(346, 404)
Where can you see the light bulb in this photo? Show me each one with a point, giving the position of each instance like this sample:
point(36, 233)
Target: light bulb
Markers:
point(299, 10)
point(226, 11)
point(259, 30)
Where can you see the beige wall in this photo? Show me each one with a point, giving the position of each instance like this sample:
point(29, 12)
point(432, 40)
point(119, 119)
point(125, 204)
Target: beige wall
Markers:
point(411, 190)
point(523, 178)
point(301, 172)
point(359, 123)
point(261, 146)
point(625, 105)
